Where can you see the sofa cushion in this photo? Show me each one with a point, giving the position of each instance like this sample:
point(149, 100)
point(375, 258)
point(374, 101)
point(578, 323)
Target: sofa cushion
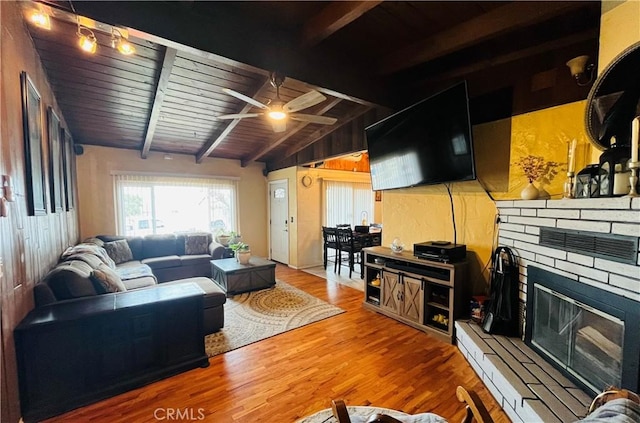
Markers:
point(119, 251)
point(107, 278)
point(195, 259)
point(196, 243)
point(143, 282)
point(109, 238)
point(131, 270)
point(162, 262)
point(135, 244)
point(70, 279)
point(158, 246)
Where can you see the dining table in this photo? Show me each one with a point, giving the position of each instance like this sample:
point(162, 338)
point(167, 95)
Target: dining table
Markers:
point(368, 239)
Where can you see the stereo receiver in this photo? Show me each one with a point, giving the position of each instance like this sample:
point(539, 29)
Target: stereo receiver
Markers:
point(443, 251)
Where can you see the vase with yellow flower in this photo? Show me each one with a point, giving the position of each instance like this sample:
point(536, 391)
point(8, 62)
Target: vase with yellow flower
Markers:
point(535, 168)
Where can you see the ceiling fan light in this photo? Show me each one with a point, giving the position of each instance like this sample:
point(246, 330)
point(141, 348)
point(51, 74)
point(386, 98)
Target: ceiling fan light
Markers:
point(277, 114)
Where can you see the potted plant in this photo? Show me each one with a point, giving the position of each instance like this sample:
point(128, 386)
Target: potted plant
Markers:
point(241, 251)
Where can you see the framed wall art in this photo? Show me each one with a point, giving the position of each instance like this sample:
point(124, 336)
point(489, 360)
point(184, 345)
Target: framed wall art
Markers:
point(32, 129)
point(69, 169)
point(56, 179)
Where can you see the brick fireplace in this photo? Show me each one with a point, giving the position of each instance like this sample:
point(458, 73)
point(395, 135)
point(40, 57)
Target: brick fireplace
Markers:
point(591, 246)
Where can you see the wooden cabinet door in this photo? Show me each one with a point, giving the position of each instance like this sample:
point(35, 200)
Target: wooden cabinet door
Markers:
point(390, 287)
point(412, 299)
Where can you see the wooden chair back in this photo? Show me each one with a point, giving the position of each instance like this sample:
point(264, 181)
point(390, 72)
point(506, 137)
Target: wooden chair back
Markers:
point(476, 411)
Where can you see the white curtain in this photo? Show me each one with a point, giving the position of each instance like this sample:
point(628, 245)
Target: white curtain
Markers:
point(151, 204)
point(347, 202)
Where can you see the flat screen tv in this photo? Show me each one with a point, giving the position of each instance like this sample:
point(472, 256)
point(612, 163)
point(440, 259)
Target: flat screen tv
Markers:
point(426, 143)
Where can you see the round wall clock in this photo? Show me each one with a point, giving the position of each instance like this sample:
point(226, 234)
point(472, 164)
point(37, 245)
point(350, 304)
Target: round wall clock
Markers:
point(306, 181)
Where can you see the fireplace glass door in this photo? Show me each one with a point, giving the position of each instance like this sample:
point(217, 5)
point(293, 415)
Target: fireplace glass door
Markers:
point(586, 342)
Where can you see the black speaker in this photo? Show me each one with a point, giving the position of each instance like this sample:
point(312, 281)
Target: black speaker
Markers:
point(78, 149)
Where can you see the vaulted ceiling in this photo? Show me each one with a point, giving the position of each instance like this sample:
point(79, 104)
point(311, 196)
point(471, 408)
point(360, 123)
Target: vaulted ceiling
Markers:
point(366, 57)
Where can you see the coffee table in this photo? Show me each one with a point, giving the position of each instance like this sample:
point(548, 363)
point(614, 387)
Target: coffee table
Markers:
point(235, 278)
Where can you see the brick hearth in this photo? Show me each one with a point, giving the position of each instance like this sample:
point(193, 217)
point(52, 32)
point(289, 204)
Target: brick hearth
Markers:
point(529, 388)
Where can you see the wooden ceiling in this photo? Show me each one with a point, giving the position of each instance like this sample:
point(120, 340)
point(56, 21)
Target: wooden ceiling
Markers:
point(366, 57)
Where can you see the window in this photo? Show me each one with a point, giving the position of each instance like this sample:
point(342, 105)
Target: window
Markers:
point(348, 202)
point(148, 204)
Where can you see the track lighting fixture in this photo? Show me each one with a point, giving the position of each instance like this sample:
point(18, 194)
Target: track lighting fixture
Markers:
point(40, 19)
point(120, 42)
point(87, 39)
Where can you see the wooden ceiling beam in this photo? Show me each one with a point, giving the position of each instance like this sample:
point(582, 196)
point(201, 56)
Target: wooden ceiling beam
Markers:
point(165, 72)
point(214, 142)
point(333, 17)
point(513, 16)
point(513, 56)
point(320, 133)
point(276, 142)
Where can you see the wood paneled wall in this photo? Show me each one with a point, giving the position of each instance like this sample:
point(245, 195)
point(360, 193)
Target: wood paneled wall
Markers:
point(29, 246)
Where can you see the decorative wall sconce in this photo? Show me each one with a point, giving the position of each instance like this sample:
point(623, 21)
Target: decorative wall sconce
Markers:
point(581, 70)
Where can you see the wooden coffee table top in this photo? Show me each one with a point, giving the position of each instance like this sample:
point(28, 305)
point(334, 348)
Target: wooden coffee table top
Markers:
point(232, 265)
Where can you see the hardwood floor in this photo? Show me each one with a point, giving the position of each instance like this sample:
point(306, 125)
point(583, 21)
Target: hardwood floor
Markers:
point(359, 356)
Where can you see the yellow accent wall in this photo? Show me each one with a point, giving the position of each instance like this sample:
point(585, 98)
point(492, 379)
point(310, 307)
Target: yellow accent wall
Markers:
point(96, 188)
point(547, 133)
point(424, 213)
point(619, 28)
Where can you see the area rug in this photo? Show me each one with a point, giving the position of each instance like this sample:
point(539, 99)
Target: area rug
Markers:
point(257, 315)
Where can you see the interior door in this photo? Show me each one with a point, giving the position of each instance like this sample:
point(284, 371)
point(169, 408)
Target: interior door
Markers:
point(279, 222)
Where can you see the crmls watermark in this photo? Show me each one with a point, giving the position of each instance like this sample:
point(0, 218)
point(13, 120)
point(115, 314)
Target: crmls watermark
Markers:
point(179, 414)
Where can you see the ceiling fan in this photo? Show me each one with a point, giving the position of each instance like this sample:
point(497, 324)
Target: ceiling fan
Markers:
point(279, 111)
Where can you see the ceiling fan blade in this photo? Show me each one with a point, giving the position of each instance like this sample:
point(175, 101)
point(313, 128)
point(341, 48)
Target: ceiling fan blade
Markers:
point(305, 100)
point(245, 98)
point(239, 115)
point(322, 120)
point(279, 125)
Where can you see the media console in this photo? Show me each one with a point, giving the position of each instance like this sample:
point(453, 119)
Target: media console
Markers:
point(427, 295)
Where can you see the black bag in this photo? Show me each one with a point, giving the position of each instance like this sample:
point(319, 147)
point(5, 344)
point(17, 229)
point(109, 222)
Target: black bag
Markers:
point(501, 316)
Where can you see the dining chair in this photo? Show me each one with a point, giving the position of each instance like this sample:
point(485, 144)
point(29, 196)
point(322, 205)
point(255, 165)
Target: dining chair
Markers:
point(348, 243)
point(330, 241)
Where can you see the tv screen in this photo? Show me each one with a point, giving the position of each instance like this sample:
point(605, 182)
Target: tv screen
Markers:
point(426, 143)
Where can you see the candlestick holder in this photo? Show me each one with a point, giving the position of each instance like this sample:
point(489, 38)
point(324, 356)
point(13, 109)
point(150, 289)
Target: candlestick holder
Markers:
point(633, 179)
point(568, 186)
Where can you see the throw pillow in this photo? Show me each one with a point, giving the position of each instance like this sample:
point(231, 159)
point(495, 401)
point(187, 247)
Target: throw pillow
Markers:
point(119, 251)
point(196, 244)
point(108, 279)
